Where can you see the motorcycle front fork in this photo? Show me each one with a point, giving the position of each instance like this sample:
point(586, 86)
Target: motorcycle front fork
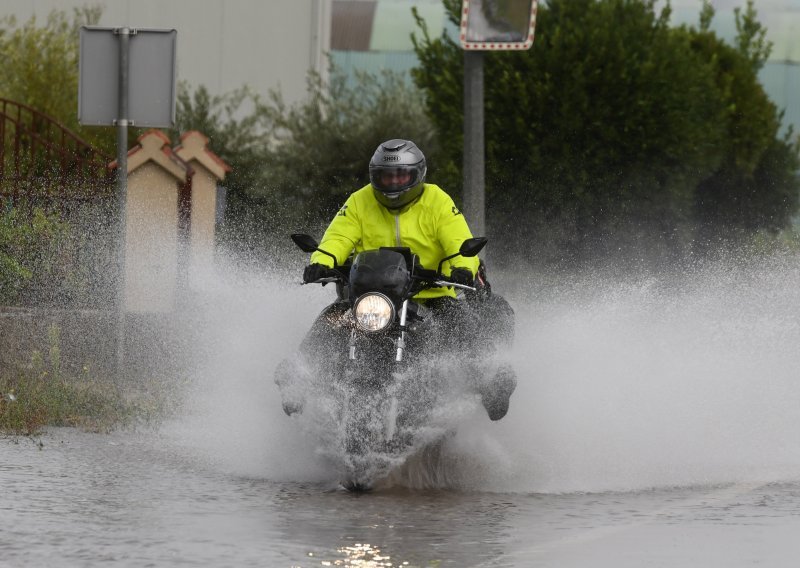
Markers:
point(400, 342)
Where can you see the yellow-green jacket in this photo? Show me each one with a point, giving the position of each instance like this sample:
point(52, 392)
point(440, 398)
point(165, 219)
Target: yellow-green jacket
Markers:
point(432, 227)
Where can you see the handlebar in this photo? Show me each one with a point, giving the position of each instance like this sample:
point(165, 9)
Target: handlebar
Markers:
point(430, 276)
point(444, 283)
point(438, 279)
point(323, 281)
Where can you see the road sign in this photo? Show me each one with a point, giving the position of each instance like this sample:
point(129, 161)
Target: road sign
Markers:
point(499, 25)
point(126, 78)
point(151, 77)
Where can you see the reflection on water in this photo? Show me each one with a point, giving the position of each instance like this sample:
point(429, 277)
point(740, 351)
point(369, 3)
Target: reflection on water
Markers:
point(362, 555)
point(397, 527)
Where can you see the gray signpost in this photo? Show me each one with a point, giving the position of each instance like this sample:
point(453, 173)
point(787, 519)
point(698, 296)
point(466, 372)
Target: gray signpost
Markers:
point(486, 25)
point(126, 78)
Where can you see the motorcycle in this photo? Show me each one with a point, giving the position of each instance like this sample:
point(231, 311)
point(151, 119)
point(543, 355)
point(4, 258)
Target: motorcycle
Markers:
point(377, 361)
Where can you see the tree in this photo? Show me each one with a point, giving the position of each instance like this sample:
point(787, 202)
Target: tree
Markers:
point(322, 146)
point(235, 124)
point(32, 268)
point(756, 186)
point(617, 120)
point(294, 165)
point(40, 68)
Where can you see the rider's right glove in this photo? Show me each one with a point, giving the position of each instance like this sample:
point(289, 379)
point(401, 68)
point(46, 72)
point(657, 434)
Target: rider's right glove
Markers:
point(314, 272)
point(462, 276)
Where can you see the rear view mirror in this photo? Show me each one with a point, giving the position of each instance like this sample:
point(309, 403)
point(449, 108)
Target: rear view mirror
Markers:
point(471, 247)
point(305, 242)
point(308, 244)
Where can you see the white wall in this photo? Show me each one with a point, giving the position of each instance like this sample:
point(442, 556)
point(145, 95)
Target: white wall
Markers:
point(222, 44)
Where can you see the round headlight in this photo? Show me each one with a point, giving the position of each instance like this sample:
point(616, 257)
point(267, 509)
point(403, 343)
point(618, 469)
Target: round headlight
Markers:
point(373, 312)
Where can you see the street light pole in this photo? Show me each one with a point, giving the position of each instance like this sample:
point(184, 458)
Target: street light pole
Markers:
point(486, 25)
point(139, 81)
point(122, 189)
point(473, 166)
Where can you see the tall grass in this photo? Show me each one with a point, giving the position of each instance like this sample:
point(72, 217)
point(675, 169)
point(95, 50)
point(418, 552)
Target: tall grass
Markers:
point(39, 394)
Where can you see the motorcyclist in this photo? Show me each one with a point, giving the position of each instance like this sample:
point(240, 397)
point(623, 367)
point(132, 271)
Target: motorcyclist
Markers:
point(397, 208)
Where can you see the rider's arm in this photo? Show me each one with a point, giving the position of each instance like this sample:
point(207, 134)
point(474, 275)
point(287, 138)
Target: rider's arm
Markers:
point(452, 231)
point(341, 236)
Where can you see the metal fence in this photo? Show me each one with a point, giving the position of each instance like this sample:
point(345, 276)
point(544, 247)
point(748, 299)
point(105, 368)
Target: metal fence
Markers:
point(56, 214)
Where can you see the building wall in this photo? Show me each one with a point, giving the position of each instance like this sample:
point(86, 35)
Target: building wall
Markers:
point(222, 44)
point(151, 245)
point(204, 209)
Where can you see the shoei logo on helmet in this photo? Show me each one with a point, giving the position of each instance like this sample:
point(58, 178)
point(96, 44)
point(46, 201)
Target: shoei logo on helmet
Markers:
point(391, 158)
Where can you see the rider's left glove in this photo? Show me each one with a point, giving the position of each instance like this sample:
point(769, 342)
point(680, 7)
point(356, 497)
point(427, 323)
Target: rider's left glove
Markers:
point(314, 272)
point(462, 276)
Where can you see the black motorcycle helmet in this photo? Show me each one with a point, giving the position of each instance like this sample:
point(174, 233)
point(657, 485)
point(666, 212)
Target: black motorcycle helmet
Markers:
point(397, 173)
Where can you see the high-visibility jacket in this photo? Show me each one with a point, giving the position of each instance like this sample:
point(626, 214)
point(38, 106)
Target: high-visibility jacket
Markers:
point(432, 227)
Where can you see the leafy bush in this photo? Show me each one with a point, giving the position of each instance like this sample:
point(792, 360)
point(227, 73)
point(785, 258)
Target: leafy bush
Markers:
point(294, 165)
point(40, 55)
point(30, 246)
point(40, 394)
point(624, 131)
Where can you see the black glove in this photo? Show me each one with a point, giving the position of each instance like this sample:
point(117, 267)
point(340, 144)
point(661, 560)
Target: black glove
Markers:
point(314, 272)
point(462, 276)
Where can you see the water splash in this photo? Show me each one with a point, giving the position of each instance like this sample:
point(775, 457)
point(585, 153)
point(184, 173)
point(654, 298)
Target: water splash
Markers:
point(679, 379)
point(625, 382)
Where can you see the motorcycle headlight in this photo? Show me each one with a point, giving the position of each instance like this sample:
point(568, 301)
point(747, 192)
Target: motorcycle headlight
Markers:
point(373, 312)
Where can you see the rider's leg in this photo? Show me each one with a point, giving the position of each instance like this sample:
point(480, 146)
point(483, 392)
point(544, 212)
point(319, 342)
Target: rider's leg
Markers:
point(289, 376)
point(497, 329)
point(496, 391)
point(486, 334)
point(496, 380)
point(294, 375)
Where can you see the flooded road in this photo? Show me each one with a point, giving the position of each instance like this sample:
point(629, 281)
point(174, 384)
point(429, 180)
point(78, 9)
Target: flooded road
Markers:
point(655, 424)
point(83, 499)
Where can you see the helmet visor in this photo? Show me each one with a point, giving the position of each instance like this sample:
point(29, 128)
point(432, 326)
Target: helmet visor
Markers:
point(394, 180)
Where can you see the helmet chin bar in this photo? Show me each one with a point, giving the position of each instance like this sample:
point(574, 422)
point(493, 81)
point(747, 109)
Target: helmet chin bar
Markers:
point(400, 199)
point(393, 195)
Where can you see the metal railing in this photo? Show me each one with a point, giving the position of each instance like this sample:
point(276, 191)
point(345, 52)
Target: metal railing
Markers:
point(47, 169)
point(41, 158)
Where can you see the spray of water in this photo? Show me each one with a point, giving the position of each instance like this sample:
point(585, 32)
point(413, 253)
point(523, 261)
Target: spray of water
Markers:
point(625, 383)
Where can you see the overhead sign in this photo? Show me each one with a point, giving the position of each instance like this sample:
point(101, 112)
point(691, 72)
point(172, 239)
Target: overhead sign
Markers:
point(151, 77)
point(497, 24)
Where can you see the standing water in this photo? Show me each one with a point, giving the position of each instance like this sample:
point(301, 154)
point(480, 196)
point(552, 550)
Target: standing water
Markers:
point(655, 423)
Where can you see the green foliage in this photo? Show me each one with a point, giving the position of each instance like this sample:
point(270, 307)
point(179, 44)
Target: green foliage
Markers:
point(40, 68)
point(237, 130)
point(293, 165)
point(756, 186)
point(751, 37)
point(13, 274)
point(706, 16)
point(609, 130)
point(31, 247)
point(323, 145)
point(38, 247)
point(41, 395)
